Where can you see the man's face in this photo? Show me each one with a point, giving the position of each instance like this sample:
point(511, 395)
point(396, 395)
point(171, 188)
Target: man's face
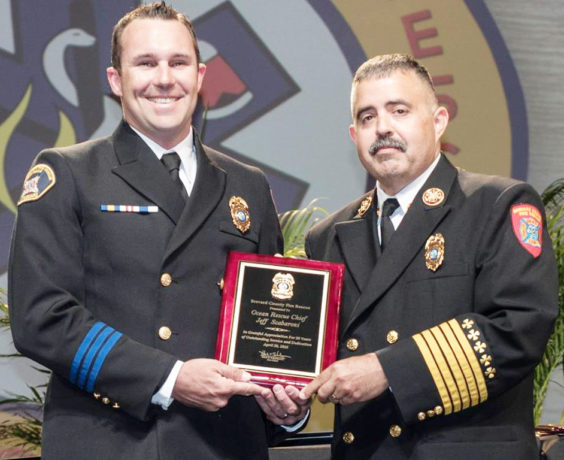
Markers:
point(397, 126)
point(159, 79)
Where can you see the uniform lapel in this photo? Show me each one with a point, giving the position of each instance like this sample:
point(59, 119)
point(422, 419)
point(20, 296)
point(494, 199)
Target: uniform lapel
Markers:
point(208, 189)
point(142, 170)
point(417, 225)
point(355, 238)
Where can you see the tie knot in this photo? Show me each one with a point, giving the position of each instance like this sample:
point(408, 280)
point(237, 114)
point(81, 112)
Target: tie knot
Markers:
point(171, 161)
point(390, 205)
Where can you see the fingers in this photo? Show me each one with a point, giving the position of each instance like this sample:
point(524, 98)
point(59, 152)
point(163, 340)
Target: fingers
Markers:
point(234, 373)
point(283, 406)
point(245, 389)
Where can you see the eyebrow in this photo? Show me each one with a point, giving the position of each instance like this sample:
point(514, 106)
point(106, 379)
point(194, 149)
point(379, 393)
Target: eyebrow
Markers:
point(388, 104)
point(152, 56)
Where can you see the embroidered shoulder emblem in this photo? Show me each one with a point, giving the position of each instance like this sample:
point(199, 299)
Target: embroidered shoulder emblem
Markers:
point(38, 181)
point(527, 226)
point(240, 213)
point(364, 206)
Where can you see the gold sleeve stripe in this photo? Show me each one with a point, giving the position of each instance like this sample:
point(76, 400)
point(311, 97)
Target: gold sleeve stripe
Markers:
point(454, 365)
point(472, 359)
point(463, 361)
point(445, 370)
point(435, 373)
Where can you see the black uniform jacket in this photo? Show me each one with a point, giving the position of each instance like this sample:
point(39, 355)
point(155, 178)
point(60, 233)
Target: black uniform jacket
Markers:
point(91, 294)
point(458, 338)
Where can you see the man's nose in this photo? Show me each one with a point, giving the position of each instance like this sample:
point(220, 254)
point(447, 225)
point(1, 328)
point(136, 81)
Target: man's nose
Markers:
point(164, 75)
point(383, 125)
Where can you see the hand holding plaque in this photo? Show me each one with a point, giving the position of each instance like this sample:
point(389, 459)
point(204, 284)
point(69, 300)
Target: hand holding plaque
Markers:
point(279, 317)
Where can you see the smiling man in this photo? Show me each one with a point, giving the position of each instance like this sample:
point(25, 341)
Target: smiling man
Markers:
point(450, 290)
point(117, 254)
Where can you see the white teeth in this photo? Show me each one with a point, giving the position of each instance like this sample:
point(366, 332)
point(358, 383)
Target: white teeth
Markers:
point(162, 100)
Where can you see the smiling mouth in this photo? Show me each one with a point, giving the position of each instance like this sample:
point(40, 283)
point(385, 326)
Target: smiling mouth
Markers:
point(162, 100)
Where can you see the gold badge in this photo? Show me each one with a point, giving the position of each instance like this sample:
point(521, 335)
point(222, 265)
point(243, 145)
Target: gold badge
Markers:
point(240, 213)
point(38, 181)
point(364, 206)
point(283, 286)
point(433, 196)
point(434, 251)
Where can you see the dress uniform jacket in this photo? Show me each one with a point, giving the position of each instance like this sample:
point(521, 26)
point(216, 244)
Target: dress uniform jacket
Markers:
point(110, 300)
point(458, 308)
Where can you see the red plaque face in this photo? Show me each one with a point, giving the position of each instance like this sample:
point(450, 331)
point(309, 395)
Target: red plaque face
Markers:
point(279, 317)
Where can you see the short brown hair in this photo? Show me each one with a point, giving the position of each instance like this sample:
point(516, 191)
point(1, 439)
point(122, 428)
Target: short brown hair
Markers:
point(159, 10)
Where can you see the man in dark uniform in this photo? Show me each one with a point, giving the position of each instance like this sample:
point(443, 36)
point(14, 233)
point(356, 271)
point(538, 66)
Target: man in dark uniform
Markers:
point(450, 290)
point(115, 270)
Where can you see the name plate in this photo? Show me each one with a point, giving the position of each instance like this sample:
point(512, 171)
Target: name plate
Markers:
point(279, 317)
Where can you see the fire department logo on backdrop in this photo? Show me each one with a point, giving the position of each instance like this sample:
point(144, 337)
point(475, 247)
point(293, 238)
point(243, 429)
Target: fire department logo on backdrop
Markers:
point(276, 93)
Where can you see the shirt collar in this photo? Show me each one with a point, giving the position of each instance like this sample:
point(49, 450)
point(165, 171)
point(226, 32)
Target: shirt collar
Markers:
point(407, 194)
point(184, 148)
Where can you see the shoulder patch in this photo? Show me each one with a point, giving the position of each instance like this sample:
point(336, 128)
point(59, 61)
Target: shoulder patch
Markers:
point(38, 181)
point(526, 220)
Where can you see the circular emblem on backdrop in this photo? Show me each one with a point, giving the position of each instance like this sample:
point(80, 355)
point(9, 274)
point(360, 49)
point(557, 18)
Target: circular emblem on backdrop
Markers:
point(45, 103)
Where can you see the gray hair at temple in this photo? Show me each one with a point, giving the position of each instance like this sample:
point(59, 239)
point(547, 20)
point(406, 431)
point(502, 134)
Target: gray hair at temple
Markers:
point(384, 65)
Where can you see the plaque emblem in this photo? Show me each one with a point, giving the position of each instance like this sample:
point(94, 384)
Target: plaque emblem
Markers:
point(240, 213)
point(283, 286)
point(364, 206)
point(433, 196)
point(435, 251)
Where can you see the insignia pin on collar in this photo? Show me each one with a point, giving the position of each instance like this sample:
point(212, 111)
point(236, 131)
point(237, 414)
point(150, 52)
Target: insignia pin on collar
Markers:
point(240, 213)
point(364, 206)
point(433, 197)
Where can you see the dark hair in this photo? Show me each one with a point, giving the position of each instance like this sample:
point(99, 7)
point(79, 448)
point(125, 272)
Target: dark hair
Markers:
point(158, 10)
point(385, 64)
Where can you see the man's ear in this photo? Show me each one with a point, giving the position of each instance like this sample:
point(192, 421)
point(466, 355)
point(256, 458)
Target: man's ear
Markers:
point(114, 79)
point(440, 119)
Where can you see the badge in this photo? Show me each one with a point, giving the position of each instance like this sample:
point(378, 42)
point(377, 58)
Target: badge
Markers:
point(433, 196)
point(240, 213)
point(527, 226)
point(364, 206)
point(38, 181)
point(283, 286)
point(435, 251)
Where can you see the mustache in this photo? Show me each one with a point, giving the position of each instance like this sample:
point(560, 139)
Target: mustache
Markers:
point(387, 141)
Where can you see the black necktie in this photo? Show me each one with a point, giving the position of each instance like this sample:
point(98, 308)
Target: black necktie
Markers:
point(171, 161)
point(386, 227)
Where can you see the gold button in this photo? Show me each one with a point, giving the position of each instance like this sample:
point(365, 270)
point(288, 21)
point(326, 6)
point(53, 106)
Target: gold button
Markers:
point(421, 416)
point(96, 395)
point(438, 410)
point(348, 437)
point(395, 431)
point(220, 284)
point(115, 405)
point(430, 413)
point(392, 336)
point(165, 332)
point(106, 400)
point(352, 344)
point(166, 280)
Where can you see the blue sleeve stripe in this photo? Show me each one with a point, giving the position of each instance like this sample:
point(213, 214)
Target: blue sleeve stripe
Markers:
point(91, 354)
point(112, 340)
point(83, 348)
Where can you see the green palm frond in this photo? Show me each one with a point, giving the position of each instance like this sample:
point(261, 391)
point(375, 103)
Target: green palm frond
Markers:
point(295, 225)
point(553, 357)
